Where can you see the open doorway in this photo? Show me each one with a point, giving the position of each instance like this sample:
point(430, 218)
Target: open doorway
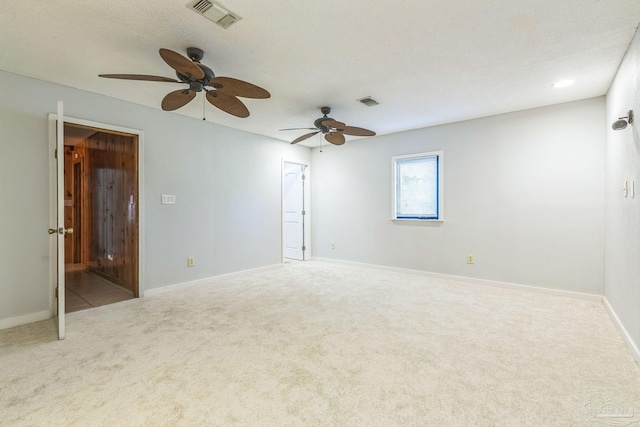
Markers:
point(100, 207)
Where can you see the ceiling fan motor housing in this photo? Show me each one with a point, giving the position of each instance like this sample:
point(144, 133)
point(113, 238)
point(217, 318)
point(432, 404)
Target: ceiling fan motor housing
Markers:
point(208, 75)
point(318, 123)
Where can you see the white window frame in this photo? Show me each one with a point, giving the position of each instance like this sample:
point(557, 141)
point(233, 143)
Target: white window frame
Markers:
point(394, 187)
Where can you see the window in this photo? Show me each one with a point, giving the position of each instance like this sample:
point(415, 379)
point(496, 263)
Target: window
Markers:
point(417, 190)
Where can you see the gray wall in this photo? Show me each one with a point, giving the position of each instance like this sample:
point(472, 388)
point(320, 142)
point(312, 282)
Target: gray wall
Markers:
point(622, 230)
point(227, 185)
point(523, 192)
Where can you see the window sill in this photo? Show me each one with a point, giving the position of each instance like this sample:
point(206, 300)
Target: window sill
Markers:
point(417, 220)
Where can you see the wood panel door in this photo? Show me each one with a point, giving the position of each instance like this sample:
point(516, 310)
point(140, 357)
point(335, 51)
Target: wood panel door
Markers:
point(110, 216)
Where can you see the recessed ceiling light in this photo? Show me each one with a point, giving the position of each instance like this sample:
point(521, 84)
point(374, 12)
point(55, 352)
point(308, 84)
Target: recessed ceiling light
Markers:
point(563, 83)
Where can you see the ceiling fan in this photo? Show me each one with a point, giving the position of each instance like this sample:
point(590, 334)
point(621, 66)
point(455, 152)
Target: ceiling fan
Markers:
point(333, 130)
point(222, 92)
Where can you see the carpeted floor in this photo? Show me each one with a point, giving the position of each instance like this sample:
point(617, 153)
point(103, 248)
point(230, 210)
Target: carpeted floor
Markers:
point(319, 344)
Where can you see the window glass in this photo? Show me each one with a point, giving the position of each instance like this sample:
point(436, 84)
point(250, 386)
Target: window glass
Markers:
point(417, 186)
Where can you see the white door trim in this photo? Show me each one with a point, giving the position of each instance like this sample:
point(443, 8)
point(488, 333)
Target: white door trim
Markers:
point(306, 255)
point(52, 197)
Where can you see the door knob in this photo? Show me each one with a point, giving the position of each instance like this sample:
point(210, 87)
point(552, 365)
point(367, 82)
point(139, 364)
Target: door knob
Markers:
point(52, 231)
point(68, 230)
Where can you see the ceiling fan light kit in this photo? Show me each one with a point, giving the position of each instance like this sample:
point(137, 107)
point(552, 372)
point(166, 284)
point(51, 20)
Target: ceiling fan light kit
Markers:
point(221, 92)
point(333, 130)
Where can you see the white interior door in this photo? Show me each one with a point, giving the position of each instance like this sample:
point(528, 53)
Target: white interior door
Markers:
point(294, 211)
point(60, 230)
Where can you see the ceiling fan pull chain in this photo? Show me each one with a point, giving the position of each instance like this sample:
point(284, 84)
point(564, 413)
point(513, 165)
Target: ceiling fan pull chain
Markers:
point(204, 109)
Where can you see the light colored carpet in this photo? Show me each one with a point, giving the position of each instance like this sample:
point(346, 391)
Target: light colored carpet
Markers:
point(321, 344)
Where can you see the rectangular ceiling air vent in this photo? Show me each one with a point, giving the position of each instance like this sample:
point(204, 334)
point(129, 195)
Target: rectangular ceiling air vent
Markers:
point(368, 101)
point(201, 6)
point(214, 12)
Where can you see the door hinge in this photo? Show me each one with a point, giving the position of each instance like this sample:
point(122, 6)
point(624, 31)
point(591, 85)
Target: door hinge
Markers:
point(304, 177)
point(55, 154)
point(56, 292)
point(304, 248)
point(304, 212)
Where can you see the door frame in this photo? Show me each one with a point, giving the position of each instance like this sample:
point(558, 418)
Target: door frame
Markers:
point(53, 200)
point(306, 254)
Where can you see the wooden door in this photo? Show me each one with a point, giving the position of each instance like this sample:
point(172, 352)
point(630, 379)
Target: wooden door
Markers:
point(110, 214)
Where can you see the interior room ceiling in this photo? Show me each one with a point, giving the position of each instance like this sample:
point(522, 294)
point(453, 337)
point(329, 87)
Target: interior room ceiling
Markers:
point(425, 62)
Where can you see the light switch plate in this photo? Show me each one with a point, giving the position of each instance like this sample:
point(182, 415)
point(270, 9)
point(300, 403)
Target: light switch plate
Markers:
point(168, 199)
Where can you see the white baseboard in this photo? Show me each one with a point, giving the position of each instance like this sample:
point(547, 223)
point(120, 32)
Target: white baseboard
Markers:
point(470, 280)
point(212, 279)
point(24, 319)
point(623, 331)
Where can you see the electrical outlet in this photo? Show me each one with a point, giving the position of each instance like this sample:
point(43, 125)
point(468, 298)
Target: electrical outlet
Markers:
point(191, 261)
point(333, 245)
point(470, 259)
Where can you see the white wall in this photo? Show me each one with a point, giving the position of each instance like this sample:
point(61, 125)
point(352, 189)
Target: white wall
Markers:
point(523, 192)
point(622, 251)
point(227, 185)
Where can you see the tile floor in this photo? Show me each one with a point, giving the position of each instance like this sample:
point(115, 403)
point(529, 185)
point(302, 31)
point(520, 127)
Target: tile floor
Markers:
point(85, 290)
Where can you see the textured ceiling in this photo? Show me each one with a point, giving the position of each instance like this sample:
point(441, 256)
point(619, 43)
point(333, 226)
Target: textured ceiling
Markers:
point(426, 62)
